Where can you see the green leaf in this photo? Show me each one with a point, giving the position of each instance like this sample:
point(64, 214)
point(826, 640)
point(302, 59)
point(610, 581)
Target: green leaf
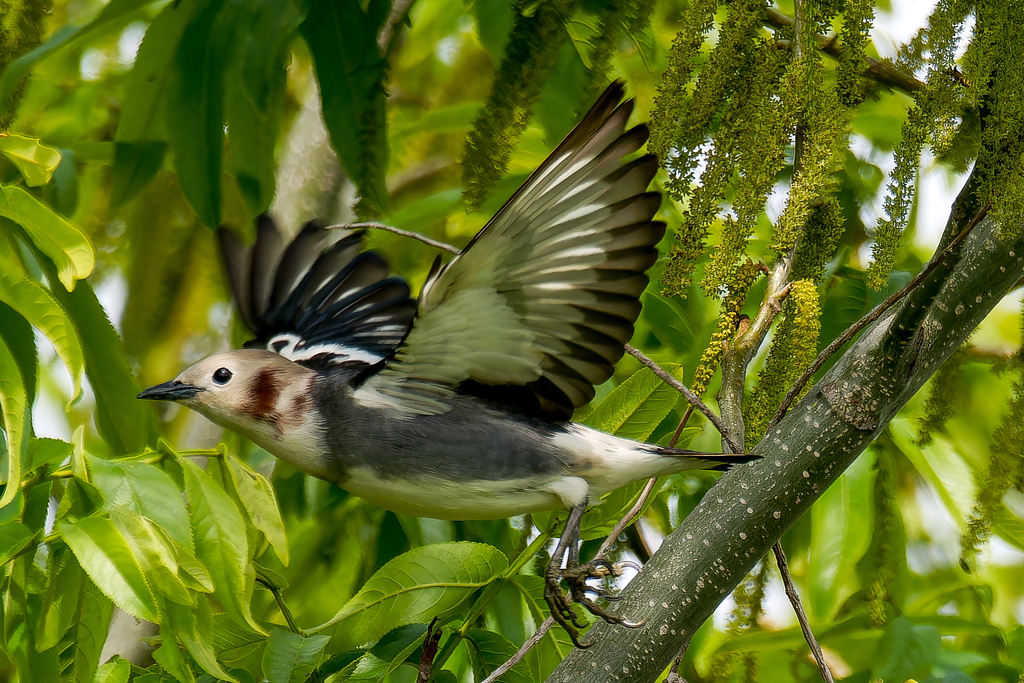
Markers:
point(153, 552)
point(60, 603)
point(195, 111)
point(15, 410)
point(65, 245)
point(221, 543)
point(38, 306)
point(16, 70)
point(290, 658)
point(47, 452)
point(906, 651)
point(14, 537)
point(635, 408)
point(142, 134)
point(414, 587)
point(941, 466)
point(83, 643)
point(17, 333)
point(342, 39)
point(194, 628)
point(493, 650)
point(144, 489)
point(109, 562)
point(255, 93)
point(386, 656)
point(260, 502)
point(116, 670)
point(35, 161)
point(125, 423)
point(841, 523)
point(555, 645)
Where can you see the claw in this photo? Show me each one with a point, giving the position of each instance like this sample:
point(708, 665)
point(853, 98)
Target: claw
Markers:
point(576, 576)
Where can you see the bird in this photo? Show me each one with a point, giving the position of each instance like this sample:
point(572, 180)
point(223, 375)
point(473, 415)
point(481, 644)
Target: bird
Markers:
point(457, 404)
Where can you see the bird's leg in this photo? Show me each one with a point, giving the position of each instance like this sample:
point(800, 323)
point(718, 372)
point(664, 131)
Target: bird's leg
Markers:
point(576, 576)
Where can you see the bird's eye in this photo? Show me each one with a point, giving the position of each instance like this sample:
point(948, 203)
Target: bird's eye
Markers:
point(222, 376)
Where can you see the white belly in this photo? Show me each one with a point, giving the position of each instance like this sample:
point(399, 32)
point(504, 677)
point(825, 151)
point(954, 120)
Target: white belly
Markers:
point(432, 497)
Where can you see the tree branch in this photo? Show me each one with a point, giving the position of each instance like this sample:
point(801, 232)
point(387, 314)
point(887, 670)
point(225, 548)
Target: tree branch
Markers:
point(751, 507)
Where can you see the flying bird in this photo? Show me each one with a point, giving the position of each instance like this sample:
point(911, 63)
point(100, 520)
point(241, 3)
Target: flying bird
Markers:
point(457, 405)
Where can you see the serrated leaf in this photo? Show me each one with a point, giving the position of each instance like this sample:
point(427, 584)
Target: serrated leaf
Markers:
point(350, 70)
point(493, 650)
point(290, 658)
point(255, 89)
point(635, 408)
point(194, 628)
point(61, 601)
point(14, 537)
point(841, 522)
point(37, 305)
point(141, 137)
point(14, 409)
point(145, 490)
point(116, 670)
point(65, 245)
point(260, 502)
point(109, 562)
point(555, 645)
point(154, 554)
point(47, 452)
point(414, 587)
point(194, 101)
point(221, 545)
point(17, 333)
point(126, 424)
point(35, 161)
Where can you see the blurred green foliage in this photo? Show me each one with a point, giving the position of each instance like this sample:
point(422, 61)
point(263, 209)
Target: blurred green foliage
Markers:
point(135, 126)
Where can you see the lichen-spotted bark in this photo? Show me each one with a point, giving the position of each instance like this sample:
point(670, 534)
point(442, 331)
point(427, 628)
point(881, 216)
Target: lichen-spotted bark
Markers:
point(752, 506)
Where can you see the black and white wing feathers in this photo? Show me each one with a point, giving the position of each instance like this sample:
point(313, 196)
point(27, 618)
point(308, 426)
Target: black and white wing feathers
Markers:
point(535, 311)
point(318, 300)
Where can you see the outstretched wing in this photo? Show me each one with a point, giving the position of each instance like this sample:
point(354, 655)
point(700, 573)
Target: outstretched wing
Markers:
point(318, 300)
point(536, 309)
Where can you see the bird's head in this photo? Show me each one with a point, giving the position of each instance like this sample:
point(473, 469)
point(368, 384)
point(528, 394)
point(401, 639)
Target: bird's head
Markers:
point(256, 392)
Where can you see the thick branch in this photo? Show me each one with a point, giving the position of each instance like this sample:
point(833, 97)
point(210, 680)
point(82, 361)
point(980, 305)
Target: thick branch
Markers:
point(751, 507)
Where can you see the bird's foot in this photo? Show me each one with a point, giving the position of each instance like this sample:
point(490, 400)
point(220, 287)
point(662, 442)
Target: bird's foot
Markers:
point(576, 576)
point(580, 593)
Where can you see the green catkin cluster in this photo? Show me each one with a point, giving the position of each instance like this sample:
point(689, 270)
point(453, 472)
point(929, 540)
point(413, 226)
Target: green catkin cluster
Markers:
point(853, 36)
point(21, 28)
point(820, 118)
point(621, 18)
point(887, 551)
point(532, 49)
point(821, 236)
point(1005, 471)
point(749, 597)
point(743, 61)
point(946, 113)
point(994, 69)
point(793, 348)
point(728, 320)
point(948, 391)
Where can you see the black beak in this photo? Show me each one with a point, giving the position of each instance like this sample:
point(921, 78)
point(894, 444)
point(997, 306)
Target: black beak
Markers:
point(170, 391)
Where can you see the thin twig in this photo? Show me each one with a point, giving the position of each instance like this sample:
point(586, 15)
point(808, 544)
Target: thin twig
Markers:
point(871, 317)
point(687, 394)
point(430, 641)
point(443, 246)
point(794, 598)
point(281, 604)
point(881, 71)
point(521, 652)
